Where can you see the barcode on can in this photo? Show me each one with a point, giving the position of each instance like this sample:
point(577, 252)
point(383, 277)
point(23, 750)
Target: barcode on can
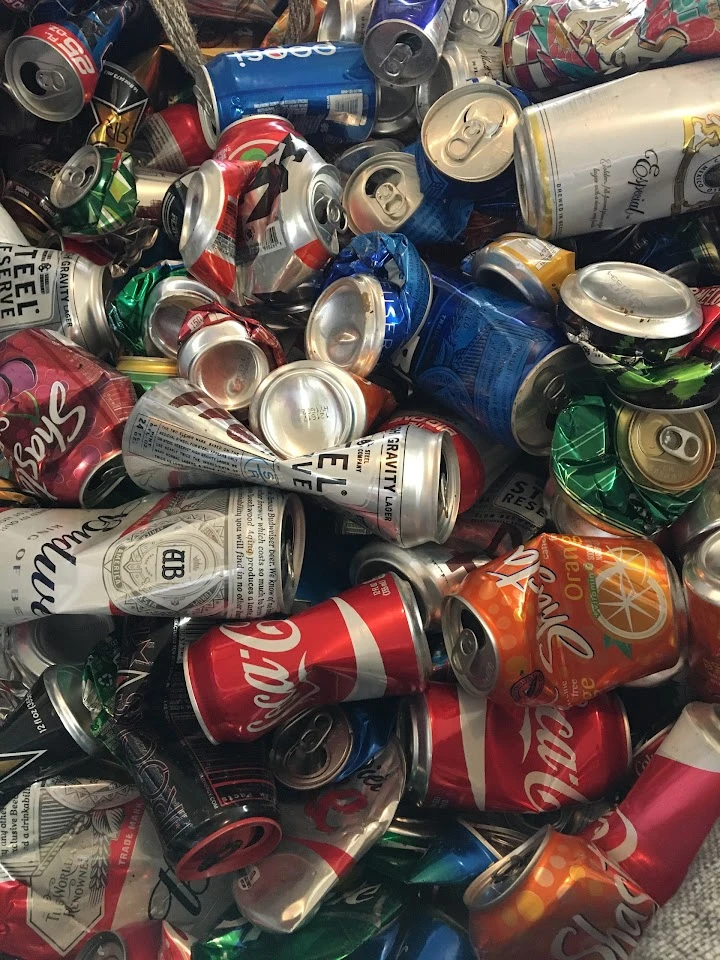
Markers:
point(272, 238)
point(345, 108)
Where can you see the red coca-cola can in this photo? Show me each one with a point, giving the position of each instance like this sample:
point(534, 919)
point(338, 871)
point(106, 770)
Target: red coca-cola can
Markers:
point(468, 753)
point(481, 459)
point(171, 140)
point(62, 416)
point(247, 678)
point(646, 750)
point(252, 138)
point(656, 831)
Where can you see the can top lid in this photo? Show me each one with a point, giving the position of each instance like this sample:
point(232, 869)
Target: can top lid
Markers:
point(103, 946)
point(347, 324)
point(204, 204)
point(502, 877)
point(77, 177)
point(64, 688)
point(382, 193)
point(471, 647)
point(231, 847)
point(38, 644)
point(416, 737)
point(541, 397)
point(310, 750)
point(307, 406)
point(633, 300)
point(165, 311)
point(468, 133)
point(350, 159)
point(43, 79)
point(485, 18)
point(665, 450)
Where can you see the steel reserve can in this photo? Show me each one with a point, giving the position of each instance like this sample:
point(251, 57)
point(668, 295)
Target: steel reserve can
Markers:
point(204, 553)
point(615, 174)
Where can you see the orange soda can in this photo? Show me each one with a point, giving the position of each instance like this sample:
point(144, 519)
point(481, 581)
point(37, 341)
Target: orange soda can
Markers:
point(556, 897)
point(563, 618)
point(701, 579)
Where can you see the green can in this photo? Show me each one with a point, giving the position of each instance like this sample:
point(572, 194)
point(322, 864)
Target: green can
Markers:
point(128, 310)
point(95, 192)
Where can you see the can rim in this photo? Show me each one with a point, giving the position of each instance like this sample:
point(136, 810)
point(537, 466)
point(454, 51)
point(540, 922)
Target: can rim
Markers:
point(381, 557)
point(536, 437)
point(414, 622)
point(532, 849)
point(193, 699)
point(452, 610)
point(405, 164)
point(206, 100)
point(291, 566)
point(249, 852)
point(493, 260)
point(95, 489)
point(69, 706)
point(35, 104)
point(416, 740)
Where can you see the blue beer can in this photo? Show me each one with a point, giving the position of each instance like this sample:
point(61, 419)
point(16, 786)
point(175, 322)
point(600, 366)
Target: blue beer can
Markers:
point(498, 362)
point(430, 935)
point(404, 39)
point(326, 90)
point(327, 744)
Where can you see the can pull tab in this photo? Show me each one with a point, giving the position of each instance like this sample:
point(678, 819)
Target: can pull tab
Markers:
point(312, 739)
point(392, 65)
point(391, 200)
point(53, 79)
point(680, 443)
point(464, 651)
point(480, 122)
point(481, 19)
point(556, 395)
point(330, 213)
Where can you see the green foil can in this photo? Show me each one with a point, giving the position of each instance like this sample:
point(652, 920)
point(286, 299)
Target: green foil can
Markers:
point(95, 192)
point(128, 310)
point(588, 469)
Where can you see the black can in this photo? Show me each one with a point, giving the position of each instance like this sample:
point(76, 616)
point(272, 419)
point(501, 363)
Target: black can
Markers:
point(173, 207)
point(47, 734)
point(27, 198)
point(214, 807)
point(117, 108)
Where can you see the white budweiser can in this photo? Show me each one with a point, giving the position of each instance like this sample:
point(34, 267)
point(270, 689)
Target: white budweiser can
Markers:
point(656, 831)
point(619, 154)
point(467, 753)
point(201, 553)
point(83, 856)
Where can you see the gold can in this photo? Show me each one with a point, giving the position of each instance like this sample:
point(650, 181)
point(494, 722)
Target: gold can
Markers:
point(667, 451)
point(145, 372)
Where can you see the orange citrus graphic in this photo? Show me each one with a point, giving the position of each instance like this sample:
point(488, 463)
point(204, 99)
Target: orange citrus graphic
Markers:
point(631, 603)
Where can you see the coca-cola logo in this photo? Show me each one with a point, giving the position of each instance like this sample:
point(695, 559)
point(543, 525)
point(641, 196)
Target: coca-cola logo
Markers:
point(56, 429)
point(280, 693)
point(547, 735)
point(523, 571)
point(341, 800)
point(632, 914)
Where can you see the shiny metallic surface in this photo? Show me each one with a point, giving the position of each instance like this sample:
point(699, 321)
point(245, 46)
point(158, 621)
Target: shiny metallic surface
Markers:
point(458, 64)
point(481, 21)
point(542, 395)
point(77, 178)
point(701, 572)
point(429, 569)
point(495, 261)
point(665, 451)
point(471, 648)
point(468, 133)
point(225, 363)
point(311, 750)
point(344, 20)
point(151, 187)
point(307, 406)
point(62, 639)
point(395, 110)
point(104, 946)
point(350, 159)
point(430, 501)
point(165, 311)
point(64, 684)
point(701, 519)
point(567, 517)
point(416, 737)
point(507, 873)
point(43, 80)
point(633, 300)
point(346, 326)
point(382, 193)
point(204, 205)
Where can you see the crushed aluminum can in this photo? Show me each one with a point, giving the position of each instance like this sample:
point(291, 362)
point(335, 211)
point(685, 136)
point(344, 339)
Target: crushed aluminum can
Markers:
point(323, 836)
point(344, 20)
point(34, 646)
point(459, 63)
point(165, 310)
point(402, 45)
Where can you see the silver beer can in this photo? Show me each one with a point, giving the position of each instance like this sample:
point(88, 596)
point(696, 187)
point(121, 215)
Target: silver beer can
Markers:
point(344, 20)
point(193, 553)
point(151, 187)
point(382, 193)
point(38, 644)
point(307, 406)
point(165, 311)
point(467, 134)
point(224, 362)
point(59, 291)
point(458, 65)
point(479, 21)
point(434, 572)
point(622, 153)
point(291, 215)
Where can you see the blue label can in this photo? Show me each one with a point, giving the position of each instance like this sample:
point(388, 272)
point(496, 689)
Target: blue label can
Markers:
point(324, 89)
point(498, 362)
point(404, 39)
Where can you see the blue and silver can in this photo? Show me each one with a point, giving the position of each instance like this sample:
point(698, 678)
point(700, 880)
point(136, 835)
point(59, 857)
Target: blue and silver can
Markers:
point(327, 744)
point(324, 89)
point(404, 39)
point(429, 935)
point(497, 362)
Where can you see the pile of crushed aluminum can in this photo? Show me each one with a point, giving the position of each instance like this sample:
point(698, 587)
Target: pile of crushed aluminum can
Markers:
point(359, 515)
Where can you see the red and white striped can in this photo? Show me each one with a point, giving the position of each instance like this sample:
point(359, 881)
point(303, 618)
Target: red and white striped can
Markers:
point(481, 459)
point(467, 753)
point(247, 678)
point(657, 830)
